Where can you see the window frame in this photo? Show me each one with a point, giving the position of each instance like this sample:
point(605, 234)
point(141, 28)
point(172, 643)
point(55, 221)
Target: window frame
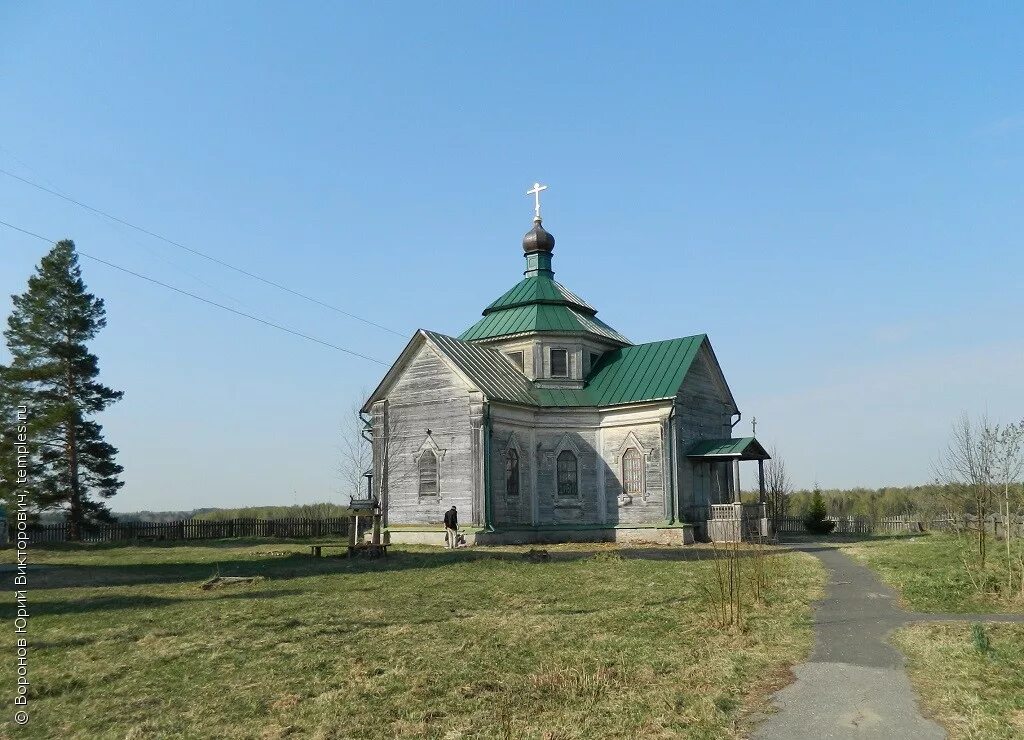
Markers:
point(551, 362)
point(575, 494)
point(521, 363)
point(420, 471)
point(512, 473)
point(633, 458)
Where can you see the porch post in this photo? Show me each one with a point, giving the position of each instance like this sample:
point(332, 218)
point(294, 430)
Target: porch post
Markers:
point(736, 481)
point(760, 481)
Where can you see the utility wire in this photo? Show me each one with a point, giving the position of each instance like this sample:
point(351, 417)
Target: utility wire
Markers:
point(196, 252)
point(137, 243)
point(200, 298)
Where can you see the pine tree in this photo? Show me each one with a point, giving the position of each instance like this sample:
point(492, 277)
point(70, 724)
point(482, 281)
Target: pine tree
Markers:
point(816, 521)
point(54, 372)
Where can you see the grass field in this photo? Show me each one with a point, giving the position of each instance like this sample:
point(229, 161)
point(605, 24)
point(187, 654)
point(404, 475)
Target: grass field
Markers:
point(928, 570)
point(598, 642)
point(976, 693)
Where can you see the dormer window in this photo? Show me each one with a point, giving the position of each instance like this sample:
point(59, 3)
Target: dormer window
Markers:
point(517, 359)
point(559, 363)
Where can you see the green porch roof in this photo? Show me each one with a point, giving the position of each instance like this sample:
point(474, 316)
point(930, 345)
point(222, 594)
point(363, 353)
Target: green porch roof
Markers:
point(742, 448)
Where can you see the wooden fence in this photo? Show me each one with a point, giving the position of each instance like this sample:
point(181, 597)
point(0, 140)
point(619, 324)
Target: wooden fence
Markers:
point(995, 525)
point(196, 529)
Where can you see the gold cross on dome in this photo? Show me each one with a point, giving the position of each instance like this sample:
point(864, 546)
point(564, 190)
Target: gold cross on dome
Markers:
point(535, 191)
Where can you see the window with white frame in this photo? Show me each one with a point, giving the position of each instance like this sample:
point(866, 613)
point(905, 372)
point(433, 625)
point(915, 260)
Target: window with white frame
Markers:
point(559, 363)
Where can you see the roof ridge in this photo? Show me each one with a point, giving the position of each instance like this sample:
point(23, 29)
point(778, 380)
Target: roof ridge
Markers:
point(540, 317)
point(662, 341)
point(538, 289)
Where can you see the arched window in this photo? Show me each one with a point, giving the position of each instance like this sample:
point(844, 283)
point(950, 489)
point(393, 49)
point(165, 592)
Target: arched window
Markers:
point(568, 475)
point(632, 472)
point(427, 464)
point(511, 473)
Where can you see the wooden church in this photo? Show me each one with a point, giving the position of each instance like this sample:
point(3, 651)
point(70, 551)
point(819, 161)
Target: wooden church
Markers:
point(542, 423)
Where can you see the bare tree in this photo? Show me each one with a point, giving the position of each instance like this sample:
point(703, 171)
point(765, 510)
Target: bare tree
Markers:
point(1008, 442)
point(388, 439)
point(969, 471)
point(777, 487)
point(355, 454)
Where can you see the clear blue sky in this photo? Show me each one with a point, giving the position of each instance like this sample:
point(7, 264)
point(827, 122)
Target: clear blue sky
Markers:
point(834, 195)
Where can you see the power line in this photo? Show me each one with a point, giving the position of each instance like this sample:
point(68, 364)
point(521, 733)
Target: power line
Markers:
point(136, 243)
point(271, 324)
point(196, 252)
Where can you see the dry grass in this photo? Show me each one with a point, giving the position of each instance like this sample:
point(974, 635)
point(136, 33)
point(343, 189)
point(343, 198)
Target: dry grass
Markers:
point(939, 573)
point(598, 642)
point(976, 693)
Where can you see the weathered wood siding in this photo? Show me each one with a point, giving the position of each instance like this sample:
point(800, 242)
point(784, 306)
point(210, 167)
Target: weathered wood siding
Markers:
point(598, 441)
point(428, 395)
point(703, 411)
point(649, 508)
point(507, 509)
point(585, 507)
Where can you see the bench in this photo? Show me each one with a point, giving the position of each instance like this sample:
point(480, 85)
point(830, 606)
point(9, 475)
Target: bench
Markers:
point(370, 550)
point(317, 550)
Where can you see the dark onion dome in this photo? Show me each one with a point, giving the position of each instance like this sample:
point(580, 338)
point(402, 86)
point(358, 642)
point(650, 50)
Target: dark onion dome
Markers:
point(537, 239)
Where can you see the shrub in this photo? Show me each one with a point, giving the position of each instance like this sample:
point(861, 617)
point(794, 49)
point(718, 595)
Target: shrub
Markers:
point(980, 639)
point(815, 520)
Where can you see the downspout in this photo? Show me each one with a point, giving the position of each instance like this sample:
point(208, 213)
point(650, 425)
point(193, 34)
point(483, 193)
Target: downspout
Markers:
point(488, 524)
point(736, 498)
point(670, 445)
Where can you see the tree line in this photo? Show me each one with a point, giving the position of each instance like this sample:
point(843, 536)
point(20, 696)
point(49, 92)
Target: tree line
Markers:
point(929, 501)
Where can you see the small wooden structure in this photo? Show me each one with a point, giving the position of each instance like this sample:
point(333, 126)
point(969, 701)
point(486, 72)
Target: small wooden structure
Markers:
point(734, 521)
point(366, 508)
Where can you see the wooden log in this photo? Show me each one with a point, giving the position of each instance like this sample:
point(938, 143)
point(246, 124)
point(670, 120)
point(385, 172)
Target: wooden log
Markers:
point(219, 581)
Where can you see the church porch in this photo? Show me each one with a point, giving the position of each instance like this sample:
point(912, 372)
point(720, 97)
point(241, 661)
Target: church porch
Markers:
point(728, 519)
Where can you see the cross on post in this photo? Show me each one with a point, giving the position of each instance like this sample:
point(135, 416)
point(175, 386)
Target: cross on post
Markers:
point(753, 426)
point(535, 191)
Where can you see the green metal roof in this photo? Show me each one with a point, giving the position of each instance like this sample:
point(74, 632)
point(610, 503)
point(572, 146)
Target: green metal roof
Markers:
point(539, 317)
point(539, 289)
point(642, 372)
point(742, 448)
point(539, 303)
point(489, 369)
point(633, 374)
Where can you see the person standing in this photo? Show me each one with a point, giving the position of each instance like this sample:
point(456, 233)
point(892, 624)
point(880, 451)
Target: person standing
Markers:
point(451, 527)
